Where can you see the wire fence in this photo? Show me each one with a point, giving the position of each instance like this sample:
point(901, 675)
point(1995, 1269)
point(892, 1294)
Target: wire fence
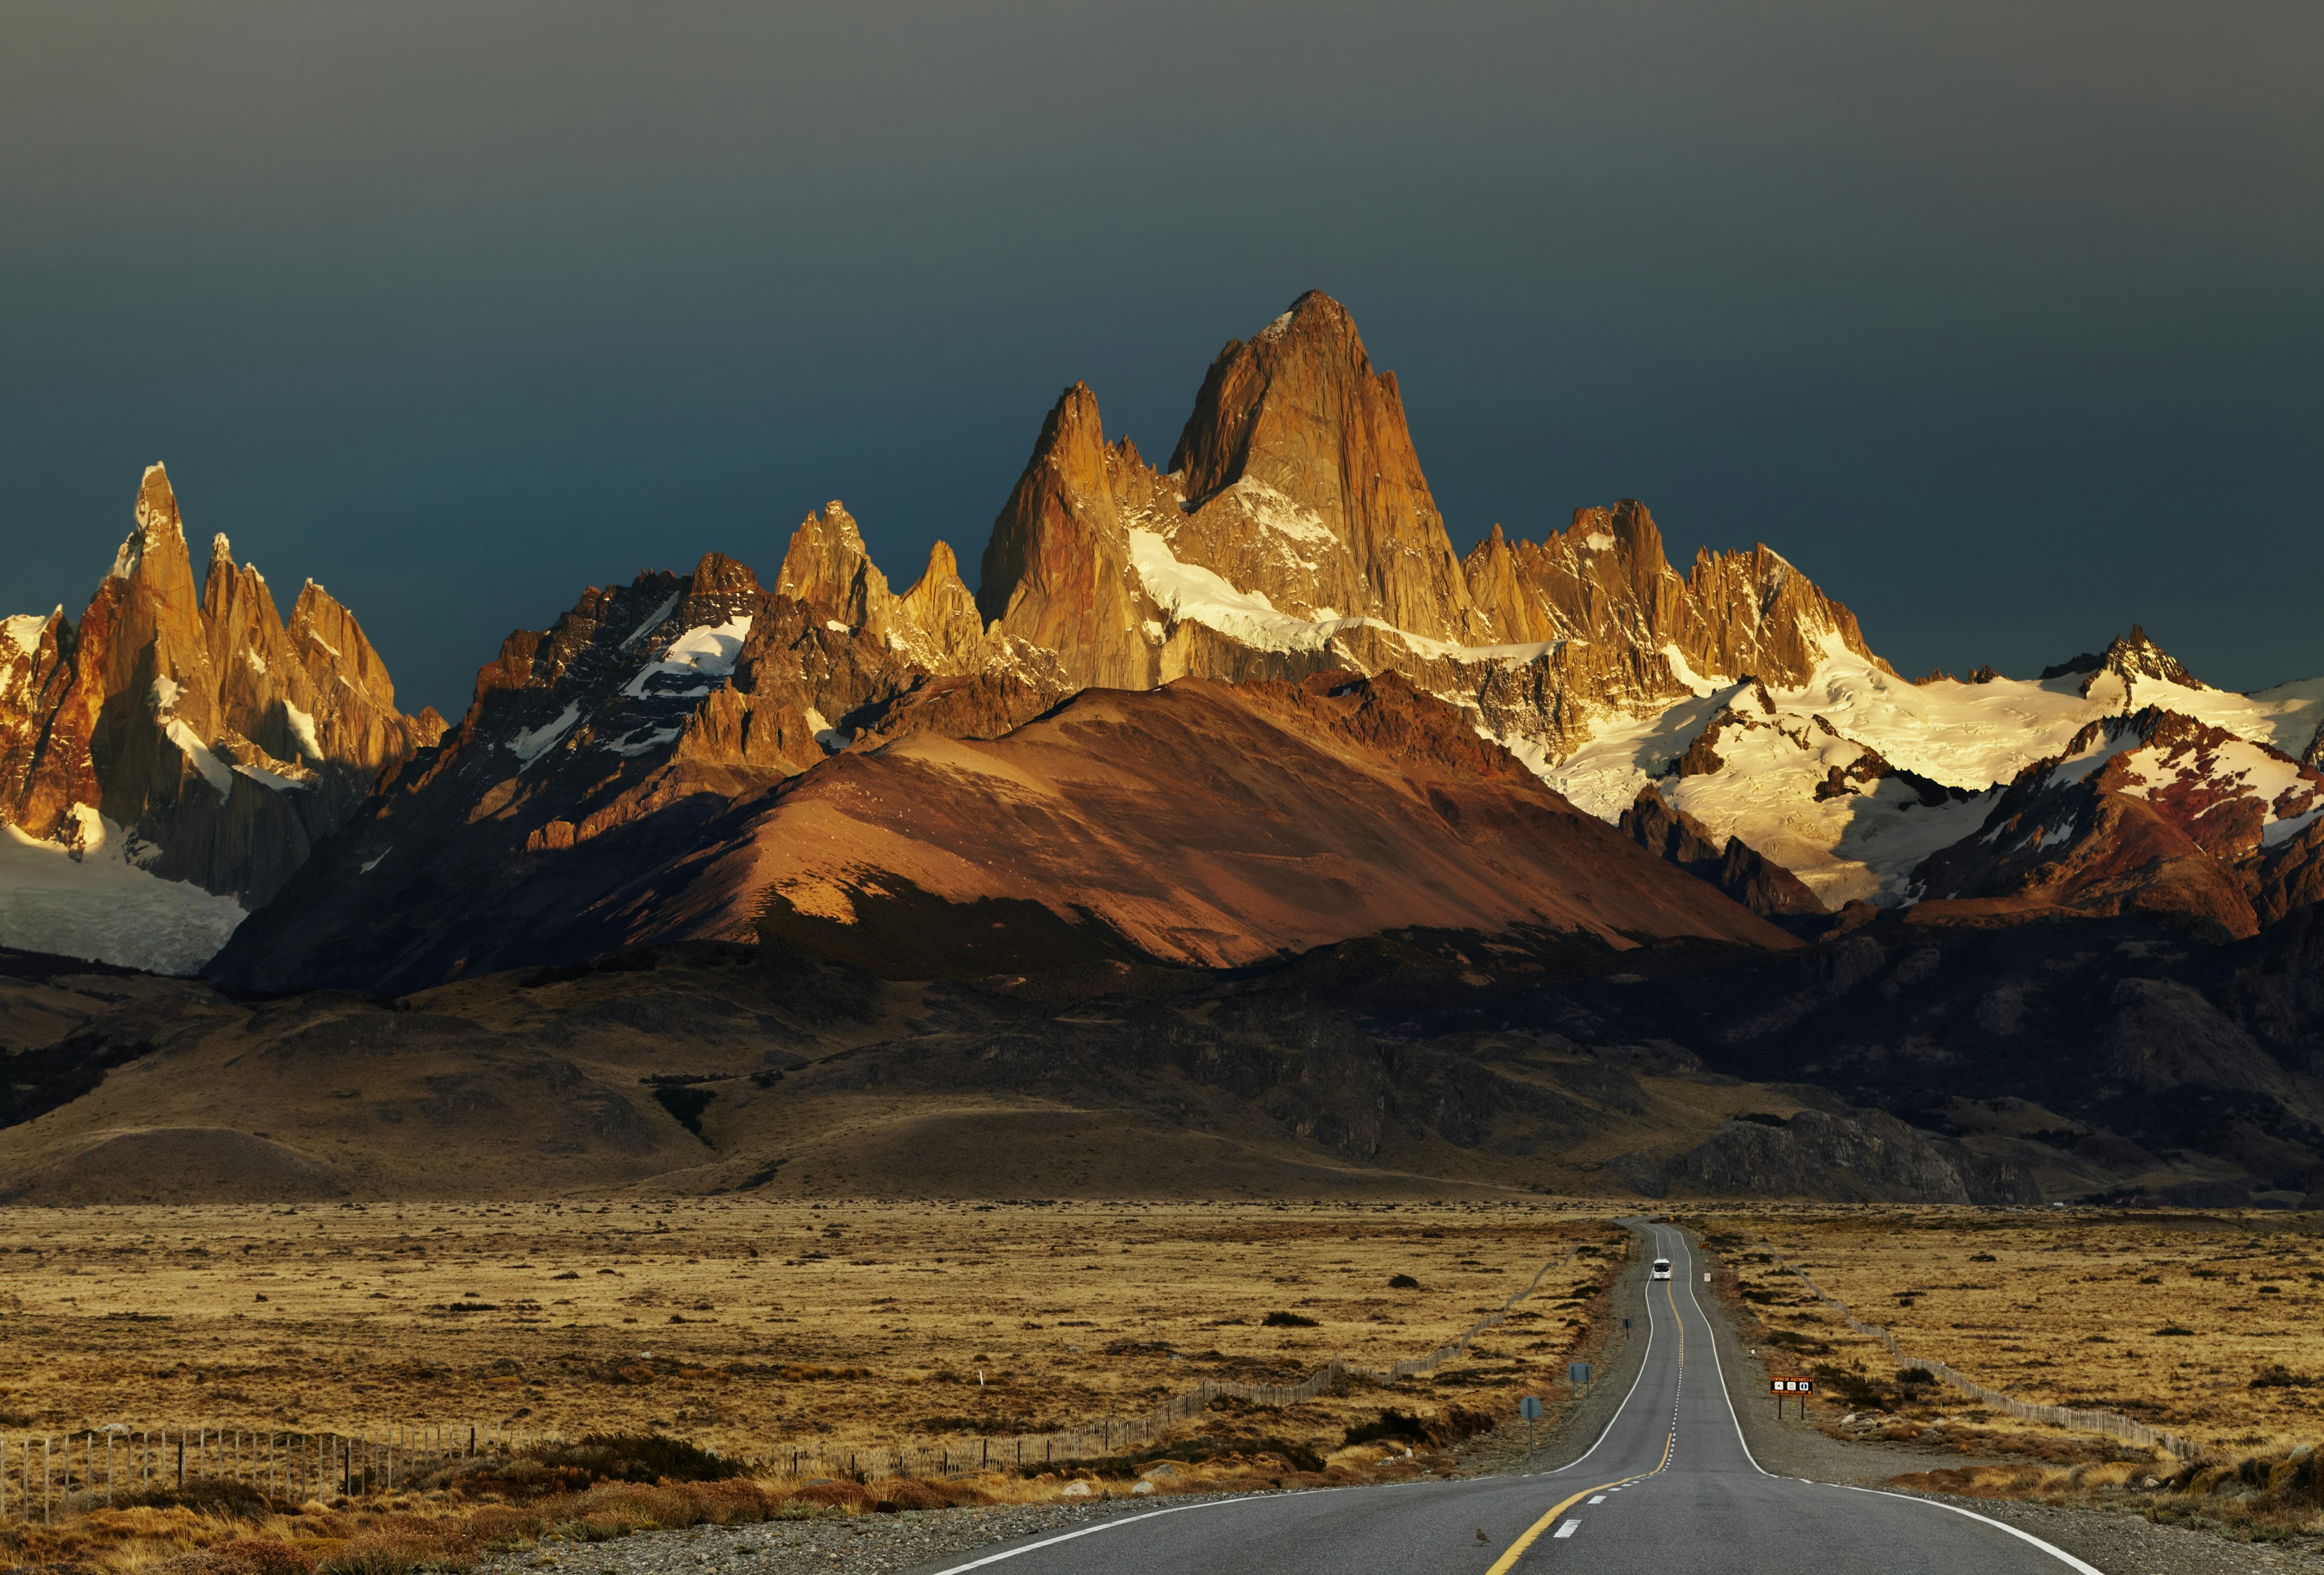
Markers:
point(44, 1475)
point(2080, 1419)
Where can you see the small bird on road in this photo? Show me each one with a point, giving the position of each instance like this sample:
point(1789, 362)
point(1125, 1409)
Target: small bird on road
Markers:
point(1481, 1536)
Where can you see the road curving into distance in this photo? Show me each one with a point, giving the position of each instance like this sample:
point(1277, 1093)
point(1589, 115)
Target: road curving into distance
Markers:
point(1669, 1485)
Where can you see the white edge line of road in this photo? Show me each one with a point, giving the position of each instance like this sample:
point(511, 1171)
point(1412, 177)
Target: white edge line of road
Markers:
point(2058, 1554)
point(1262, 1499)
point(1091, 1530)
point(1644, 1360)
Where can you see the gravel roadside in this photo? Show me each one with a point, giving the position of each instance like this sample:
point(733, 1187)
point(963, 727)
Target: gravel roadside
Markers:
point(2119, 1543)
point(912, 1540)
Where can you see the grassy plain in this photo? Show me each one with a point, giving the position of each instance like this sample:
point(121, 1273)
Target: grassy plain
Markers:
point(744, 1325)
point(2204, 1325)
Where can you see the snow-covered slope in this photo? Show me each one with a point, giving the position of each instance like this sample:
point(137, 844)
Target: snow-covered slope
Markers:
point(2155, 811)
point(101, 905)
point(1855, 777)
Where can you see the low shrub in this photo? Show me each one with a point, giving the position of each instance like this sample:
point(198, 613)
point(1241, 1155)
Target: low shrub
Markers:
point(211, 1496)
point(912, 1493)
point(240, 1556)
point(381, 1558)
point(835, 1495)
point(1454, 1424)
point(569, 1467)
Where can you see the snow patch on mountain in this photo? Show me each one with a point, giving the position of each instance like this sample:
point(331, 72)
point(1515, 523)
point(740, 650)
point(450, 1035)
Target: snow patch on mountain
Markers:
point(303, 731)
point(1276, 512)
point(215, 771)
point(1192, 593)
point(1963, 735)
point(1844, 846)
point(705, 653)
point(24, 629)
point(642, 740)
point(532, 743)
point(652, 621)
point(1684, 671)
point(266, 779)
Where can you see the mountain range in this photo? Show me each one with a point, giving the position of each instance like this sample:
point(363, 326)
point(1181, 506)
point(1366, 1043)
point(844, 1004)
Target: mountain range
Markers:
point(1213, 718)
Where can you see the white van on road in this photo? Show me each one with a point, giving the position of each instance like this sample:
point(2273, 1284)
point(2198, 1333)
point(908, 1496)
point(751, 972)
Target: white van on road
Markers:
point(1661, 1268)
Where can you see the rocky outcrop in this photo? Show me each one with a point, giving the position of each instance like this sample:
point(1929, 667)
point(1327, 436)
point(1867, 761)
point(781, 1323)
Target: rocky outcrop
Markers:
point(34, 671)
point(1766, 888)
point(2115, 673)
point(2165, 1034)
point(1605, 579)
point(221, 740)
point(1859, 1156)
point(934, 625)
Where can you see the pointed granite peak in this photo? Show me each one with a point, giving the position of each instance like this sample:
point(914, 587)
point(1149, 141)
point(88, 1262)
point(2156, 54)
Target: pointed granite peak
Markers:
point(1296, 423)
point(938, 620)
point(157, 505)
point(2134, 658)
point(1073, 435)
point(154, 556)
point(2136, 654)
point(334, 648)
point(1056, 570)
point(718, 574)
point(828, 567)
point(1242, 418)
point(942, 563)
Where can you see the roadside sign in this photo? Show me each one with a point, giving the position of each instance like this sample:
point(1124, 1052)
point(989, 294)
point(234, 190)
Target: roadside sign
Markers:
point(1789, 1385)
point(1577, 1372)
point(1530, 1408)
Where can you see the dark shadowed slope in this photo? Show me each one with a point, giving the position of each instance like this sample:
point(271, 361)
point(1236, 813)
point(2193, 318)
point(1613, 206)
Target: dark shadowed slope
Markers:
point(1202, 823)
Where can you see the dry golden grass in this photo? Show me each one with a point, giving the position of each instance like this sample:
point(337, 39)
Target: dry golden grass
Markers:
point(747, 1327)
point(742, 1325)
point(2204, 1325)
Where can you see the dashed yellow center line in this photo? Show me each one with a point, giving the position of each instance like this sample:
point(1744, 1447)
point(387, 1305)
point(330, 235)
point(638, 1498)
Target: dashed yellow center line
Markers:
point(1508, 1560)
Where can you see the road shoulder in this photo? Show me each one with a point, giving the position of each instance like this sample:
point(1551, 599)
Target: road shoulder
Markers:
point(2117, 1543)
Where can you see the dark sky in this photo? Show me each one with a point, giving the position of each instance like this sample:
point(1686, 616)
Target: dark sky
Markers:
point(2003, 322)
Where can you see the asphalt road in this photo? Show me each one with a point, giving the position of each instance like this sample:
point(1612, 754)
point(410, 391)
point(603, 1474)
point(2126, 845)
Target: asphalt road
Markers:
point(1669, 1485)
